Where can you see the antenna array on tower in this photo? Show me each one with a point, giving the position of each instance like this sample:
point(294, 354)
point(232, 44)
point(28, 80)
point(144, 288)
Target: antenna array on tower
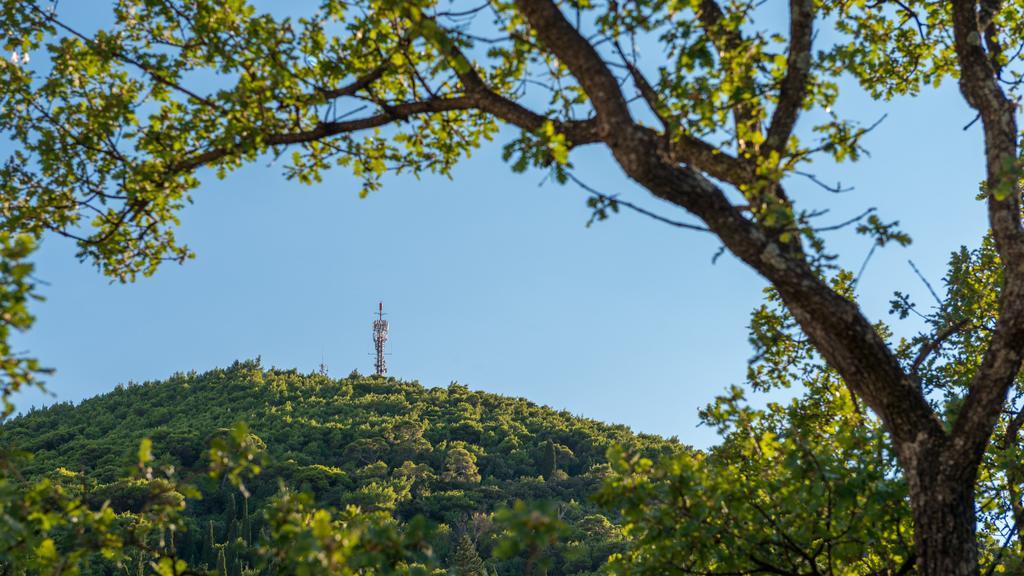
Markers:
point(380, 337)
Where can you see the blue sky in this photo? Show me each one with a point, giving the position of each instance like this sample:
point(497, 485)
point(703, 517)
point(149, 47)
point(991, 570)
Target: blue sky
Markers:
point(492, 279)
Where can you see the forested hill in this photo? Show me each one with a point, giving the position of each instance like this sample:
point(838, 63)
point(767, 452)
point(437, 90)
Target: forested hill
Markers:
point(451, 455)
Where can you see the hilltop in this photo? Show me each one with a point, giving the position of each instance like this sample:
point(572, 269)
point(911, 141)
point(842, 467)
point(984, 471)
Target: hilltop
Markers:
point(451, 455)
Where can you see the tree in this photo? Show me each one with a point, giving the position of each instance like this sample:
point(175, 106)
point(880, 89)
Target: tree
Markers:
point(466, 561)
point(805, 487)
point(112, 130)
point(460, 466)
point(548, 460)
point(529, 532)
point(813, 486)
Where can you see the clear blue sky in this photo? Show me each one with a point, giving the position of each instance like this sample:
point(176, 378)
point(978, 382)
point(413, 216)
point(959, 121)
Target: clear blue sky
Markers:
point(491, 279)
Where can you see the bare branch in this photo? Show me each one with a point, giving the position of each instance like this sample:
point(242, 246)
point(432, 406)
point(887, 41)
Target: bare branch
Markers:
point(864, 264)
point(634, 207)
point(837, 189)
point(846, 223)
point(927, 284)
point(935, 343)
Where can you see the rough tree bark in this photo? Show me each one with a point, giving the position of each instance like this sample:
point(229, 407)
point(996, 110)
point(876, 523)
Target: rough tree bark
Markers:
point(942, 502)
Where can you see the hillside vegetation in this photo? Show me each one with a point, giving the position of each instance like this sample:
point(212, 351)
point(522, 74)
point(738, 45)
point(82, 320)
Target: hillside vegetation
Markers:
point(451, 456)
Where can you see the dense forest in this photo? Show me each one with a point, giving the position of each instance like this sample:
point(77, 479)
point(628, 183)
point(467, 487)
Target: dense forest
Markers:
point(454, 459)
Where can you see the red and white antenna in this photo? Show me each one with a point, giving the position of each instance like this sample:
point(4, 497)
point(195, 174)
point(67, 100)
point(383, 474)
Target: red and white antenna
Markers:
point(380, 337)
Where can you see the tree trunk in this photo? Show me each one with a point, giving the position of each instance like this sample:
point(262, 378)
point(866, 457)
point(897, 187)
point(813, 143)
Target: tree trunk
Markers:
point(945, 525)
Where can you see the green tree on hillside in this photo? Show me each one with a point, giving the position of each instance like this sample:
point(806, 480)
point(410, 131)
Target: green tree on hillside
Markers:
point(460, 466)
point(111, 134)
point(548, 460)
point(467, 561)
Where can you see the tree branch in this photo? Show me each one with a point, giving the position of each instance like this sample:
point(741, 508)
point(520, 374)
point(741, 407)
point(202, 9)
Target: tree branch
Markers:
point(932, 345)
point(647, 91)
point(577, 132)
point(980, 87)
point(991, 382)
point(358, 84)
point(710, 160)
point(583, 61)
point(606, 198)
point(326, 129)
point(728, 41)
point(1015, 475)
point(798, 68)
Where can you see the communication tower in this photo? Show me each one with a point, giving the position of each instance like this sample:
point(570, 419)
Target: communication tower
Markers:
point(323, 364)
point(380, 337)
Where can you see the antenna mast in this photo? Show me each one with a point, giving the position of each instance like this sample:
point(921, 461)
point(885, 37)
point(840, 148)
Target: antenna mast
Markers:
point(323, 363)
point(380, 337)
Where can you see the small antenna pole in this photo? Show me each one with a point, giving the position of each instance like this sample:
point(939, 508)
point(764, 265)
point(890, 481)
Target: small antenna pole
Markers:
point(380, 337)
point(323, 363)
